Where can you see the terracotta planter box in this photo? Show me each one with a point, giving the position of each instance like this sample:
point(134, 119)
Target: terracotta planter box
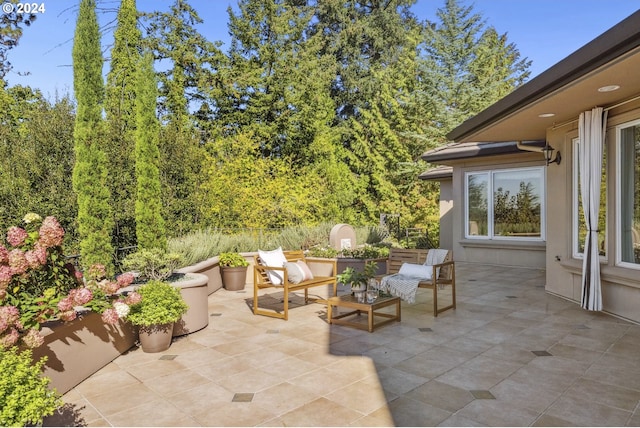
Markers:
point(211, 269)
point(79, 348)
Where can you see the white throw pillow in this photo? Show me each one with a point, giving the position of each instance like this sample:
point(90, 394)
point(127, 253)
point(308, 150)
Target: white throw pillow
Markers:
point(416, 271)
point(273, 258)
point(298, 272)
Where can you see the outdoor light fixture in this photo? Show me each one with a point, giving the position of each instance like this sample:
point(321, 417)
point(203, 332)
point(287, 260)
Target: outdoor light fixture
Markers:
point(548, 154)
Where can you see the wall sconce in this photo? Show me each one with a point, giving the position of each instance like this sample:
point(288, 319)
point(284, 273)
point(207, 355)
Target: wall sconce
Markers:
point(548, 153)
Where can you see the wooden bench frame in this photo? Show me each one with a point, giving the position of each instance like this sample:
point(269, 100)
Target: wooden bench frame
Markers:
point(446, 277)
point(261, 280)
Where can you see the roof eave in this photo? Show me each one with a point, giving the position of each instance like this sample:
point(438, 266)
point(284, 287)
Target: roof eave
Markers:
point(612, 44)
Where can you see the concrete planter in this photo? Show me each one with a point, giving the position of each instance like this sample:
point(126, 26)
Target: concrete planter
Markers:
point(210, 268)
point(79, 348)
point(194, 290)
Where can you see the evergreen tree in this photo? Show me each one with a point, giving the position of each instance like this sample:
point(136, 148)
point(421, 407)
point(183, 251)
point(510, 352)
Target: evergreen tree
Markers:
point(90, 173)
point(11, 32)
point(121, 122)
point(149, 222)
point(463, 68)
point(192, 61)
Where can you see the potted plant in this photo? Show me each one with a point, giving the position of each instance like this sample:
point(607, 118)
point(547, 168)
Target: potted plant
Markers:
point(25, 396)
point(358, 279)
point(233, 268)
point(160, 306)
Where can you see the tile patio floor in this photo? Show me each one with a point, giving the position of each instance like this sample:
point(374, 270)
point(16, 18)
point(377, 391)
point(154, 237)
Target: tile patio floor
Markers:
point(509, 355)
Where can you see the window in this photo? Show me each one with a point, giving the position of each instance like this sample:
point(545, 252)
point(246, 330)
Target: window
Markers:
point(628, 194)
point(579, 227)
point(513, 211)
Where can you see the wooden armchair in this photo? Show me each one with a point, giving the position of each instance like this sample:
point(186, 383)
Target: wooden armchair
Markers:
point(444, 274)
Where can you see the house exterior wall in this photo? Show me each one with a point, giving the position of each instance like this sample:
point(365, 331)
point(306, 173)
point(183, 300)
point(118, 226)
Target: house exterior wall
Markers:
point(525, 253)
point(620, 285)
point(446, 214)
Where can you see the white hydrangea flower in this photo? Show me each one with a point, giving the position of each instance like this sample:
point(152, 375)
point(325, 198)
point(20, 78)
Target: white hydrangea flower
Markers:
point(31, 217)
point(122, 309)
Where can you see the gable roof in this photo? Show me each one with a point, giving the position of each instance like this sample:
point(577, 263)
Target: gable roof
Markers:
point(566, 89)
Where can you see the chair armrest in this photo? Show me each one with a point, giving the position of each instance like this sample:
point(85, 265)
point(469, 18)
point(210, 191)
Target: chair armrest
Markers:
point(450, 262)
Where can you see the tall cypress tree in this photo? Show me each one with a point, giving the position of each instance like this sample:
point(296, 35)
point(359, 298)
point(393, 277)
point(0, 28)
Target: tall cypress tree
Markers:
point(149, 222)
point(90, 173)
point(121, 122)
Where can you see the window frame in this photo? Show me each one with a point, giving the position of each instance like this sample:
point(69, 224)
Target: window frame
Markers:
point(618, 193)
point(490, 205)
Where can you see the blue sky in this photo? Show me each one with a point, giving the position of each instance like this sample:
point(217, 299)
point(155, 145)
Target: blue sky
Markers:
point(545, 31)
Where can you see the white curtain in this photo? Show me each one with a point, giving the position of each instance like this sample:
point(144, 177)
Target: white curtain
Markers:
point(591, 130)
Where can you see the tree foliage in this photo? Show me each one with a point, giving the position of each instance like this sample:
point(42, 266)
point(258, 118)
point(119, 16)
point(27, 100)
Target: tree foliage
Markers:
point(90, 172)
point(11, 26)
point(319, 111)
point(119, 106)
point(149, 222)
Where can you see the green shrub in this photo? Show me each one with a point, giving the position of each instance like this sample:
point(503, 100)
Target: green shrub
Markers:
point(233, 260)
point(201, 245)
point(24, 394)
point(152, 264)
point(161, 303)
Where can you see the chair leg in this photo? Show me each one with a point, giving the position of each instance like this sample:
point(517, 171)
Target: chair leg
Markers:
point(435, 300)
point(255, 297)
point(286, 303)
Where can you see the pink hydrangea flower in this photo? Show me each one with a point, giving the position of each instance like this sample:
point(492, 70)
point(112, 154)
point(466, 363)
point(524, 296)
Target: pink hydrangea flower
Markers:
point(9, 314)
point(110, 316)
point(10, 338)
point(34, 258)
point(51, 233)
point(125, 279)
point(82, 296)
point(3, 325)
point(133, 298)
point(3, 294)
point(16, 236)
point(33, 338)
point(4, 254)
point(68, 315)
point(109, 287)
point(18, 262)
point(6, 273)
point(65, 304)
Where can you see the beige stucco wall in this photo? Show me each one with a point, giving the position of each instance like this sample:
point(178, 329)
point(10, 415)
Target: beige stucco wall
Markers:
point(620, 286)
point(501, 252)
point(446, 214)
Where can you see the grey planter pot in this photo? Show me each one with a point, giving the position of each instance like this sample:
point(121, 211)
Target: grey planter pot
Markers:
point(156, 338)
point(234, 278)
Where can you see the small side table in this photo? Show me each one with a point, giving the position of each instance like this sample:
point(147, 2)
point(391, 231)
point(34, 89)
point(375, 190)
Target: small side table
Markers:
point(349, 301)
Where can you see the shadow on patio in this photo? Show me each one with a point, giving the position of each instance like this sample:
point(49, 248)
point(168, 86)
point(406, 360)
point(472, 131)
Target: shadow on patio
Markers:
point(509, 355)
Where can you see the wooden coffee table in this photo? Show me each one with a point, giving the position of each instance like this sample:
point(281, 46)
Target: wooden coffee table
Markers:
point(349, 301)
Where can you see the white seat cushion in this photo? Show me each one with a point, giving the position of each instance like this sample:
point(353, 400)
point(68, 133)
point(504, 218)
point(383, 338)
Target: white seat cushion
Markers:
point(416, 271)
